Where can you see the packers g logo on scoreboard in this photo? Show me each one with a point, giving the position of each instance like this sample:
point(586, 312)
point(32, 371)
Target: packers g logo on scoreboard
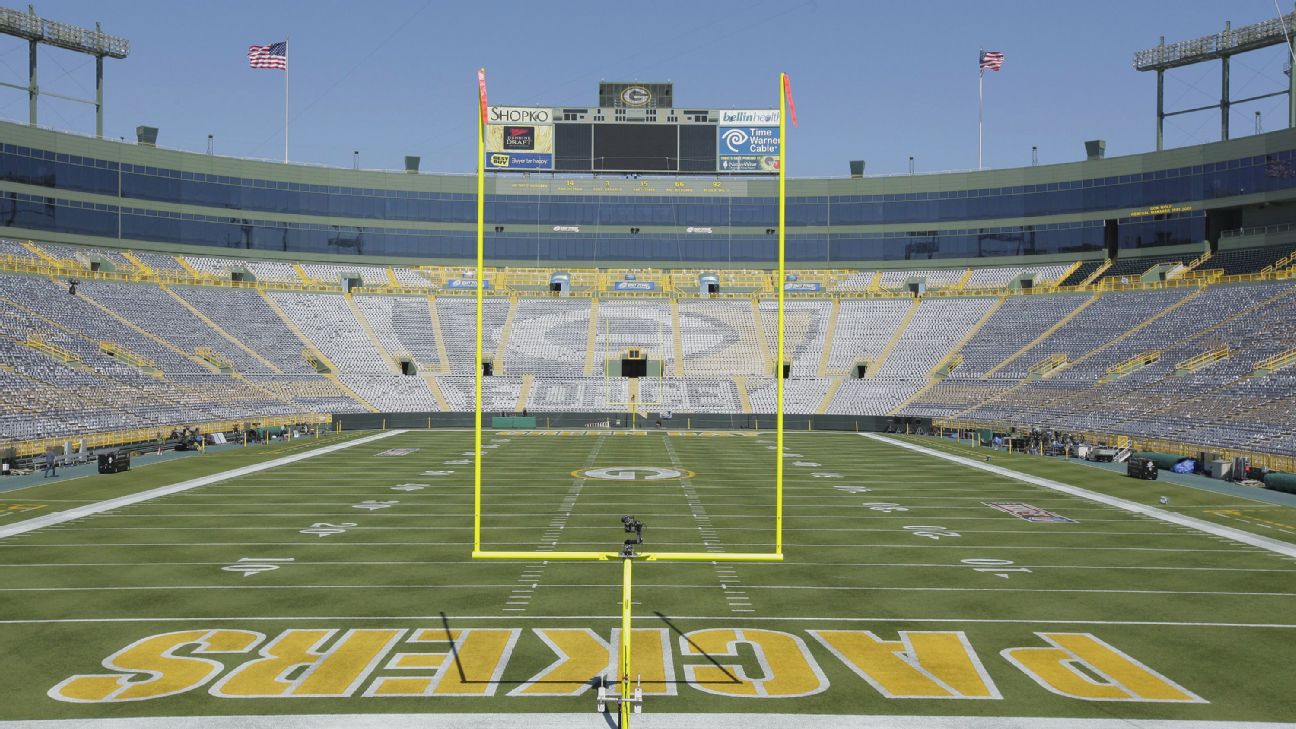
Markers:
point(636, 96)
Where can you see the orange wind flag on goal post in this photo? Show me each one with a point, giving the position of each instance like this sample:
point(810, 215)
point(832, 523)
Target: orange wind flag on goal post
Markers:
point(787, 89)
point(481, 94)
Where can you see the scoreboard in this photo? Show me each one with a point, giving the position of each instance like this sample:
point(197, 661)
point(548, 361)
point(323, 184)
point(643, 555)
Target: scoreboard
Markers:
point(635, 129)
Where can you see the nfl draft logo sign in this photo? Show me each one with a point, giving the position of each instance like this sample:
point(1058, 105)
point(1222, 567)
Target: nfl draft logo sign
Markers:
point(520, 138)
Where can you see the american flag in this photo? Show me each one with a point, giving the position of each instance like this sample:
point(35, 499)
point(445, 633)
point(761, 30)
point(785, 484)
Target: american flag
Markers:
point(992, 60)
point(274, 55)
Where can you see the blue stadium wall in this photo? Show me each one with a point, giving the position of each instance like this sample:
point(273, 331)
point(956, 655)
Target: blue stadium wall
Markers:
point(64, 187)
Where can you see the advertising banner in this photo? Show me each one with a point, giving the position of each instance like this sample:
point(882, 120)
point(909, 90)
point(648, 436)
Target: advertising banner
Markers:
point(518, 161)
point(519, 115)
point(801, 286)
point(747, 163)
point(465, 283)
point(747, 149)
point(520, 138)
point(749, 117)
point(634, 286)
point(748, 140)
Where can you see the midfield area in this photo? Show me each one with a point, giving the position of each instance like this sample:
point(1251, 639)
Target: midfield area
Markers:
point(912, 585)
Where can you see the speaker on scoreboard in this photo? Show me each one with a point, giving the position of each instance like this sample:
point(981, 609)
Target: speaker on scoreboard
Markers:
point(412, 164)
point(857, 168)
point(146, 135)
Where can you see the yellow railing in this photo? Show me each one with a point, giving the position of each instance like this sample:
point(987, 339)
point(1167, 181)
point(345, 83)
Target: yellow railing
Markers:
point(1138, 361)
point(211, 355)
point(1286, 261)
point(947, 365)
point(1047, 365)
point(316, 359)
point(52, 350)
point(1276, 362)
point(1201, 360)
point(119, 352)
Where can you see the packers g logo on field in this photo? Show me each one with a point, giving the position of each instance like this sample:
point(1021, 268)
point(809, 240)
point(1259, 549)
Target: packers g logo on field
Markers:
point(633, 473)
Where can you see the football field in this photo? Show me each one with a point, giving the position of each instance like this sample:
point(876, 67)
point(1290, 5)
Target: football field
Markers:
point(340, 584)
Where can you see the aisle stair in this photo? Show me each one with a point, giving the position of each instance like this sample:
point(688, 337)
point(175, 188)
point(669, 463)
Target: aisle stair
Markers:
point(437, 395)
point(880, 360)
point(830, 331)
point(41, 253)
point(187, 266)
point(591, 338)
point(766, 350)
point(392, 365)
point(677, 337)
point(505, 332)
point(139, 265)
point(1097, 272)
point(144, 332)
point(443, 358)
point(1043, 335)
point(833, 387)
point(744, 398)
point(1065, 275)
point(524, 392)
point(217, 328)
point(1140, 326)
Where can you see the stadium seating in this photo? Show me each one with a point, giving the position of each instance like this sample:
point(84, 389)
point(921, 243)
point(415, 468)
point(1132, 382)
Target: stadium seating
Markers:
point(863, 329)
point(548, 338)
point(804, 329)
point(404, 327)
point(1247, 260)
point(126, 352)
point(332, 328)
point(720, 339)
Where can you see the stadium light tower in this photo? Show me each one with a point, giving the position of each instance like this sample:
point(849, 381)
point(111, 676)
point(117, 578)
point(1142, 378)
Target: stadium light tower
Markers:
point(36, 30)
point(1220, 46)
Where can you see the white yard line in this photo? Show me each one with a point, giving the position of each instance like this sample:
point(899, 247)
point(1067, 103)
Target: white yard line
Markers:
point(592, 586)
point(60, 517)
point(650, 720)
point(785, 563)
point(1237, 535)
point(642, 618)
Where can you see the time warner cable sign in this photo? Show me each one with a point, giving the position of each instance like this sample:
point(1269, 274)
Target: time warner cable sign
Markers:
point(747, 140)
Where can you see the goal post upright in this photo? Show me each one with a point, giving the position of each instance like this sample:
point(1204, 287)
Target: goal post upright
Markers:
point(782, 277)
point(477, 357)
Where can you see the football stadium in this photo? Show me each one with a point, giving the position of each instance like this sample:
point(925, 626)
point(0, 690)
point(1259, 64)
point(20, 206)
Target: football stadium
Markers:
point(636, 426)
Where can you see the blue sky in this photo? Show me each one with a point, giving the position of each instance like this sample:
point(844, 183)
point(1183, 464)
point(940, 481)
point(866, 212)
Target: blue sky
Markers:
point(873, 81)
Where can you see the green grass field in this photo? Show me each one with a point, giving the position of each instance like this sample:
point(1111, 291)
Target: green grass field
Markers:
point(331, 586)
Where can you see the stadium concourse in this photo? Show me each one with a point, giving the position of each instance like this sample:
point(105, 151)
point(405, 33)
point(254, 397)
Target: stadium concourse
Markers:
point(154, 340)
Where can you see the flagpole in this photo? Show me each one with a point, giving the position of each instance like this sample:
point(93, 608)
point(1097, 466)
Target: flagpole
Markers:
point(286, 99)
point(980, 113)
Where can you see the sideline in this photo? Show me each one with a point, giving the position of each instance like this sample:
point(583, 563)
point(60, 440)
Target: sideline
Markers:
point(1255, 540)
point(60, 517)
point(647, 719)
